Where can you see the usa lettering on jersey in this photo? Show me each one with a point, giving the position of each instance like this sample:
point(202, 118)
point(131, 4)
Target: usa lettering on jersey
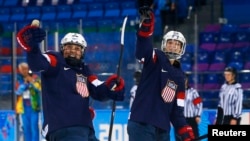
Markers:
point(81, 85)
point(168, 91)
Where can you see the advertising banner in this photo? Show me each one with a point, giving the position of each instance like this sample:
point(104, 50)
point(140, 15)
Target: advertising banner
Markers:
point(7, 125)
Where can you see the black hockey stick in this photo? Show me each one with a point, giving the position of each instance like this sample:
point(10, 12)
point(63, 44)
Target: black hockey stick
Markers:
point(220, 116)
point(118, 78)
point(219, 121)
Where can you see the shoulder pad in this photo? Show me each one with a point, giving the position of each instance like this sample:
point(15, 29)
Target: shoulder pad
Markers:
point(237, 85)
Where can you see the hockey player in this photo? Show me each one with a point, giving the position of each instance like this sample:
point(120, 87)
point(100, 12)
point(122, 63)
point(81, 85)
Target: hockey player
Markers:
point(160, 94)
point(67, 84)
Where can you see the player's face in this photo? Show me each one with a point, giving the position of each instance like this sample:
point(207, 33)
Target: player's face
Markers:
point(72, 50)
point(229, 76)
point(173, 46)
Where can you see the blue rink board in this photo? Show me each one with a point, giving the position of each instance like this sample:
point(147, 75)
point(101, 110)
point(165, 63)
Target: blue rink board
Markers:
point(7, 125)
point(101, 124)
point(102, 121)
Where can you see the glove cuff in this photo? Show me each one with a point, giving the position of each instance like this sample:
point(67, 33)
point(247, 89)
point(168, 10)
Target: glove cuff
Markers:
point(21, 40)
point(92, 112)
point(115, 78)
point(184, 129)
point(146, 28)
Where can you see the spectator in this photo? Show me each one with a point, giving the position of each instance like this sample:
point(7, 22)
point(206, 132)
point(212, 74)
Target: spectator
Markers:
point(28, 102)
point(172, 13)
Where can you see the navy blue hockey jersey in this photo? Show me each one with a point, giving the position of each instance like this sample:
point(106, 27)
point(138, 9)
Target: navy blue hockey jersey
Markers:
point(65, 91)
point(159, 99)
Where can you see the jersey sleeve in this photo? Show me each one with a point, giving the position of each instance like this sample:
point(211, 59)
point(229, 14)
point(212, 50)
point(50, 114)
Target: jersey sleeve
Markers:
point(177, 115)
point(144, 49)
point(238, 104)
point(197, 101)
point(96, 87)
point(39, 61)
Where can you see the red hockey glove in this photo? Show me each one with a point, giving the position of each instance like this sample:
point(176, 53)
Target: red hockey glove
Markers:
point(117, 87)
point(30, 36)
point(146, 28)
point(92, 112)
point(145, 12)
point(186, 133)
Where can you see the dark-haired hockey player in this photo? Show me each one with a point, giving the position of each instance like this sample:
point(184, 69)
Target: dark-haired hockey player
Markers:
point(160, 94)
point(67, 84)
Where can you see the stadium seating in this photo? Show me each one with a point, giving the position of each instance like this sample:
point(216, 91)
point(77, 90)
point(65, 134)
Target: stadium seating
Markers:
point(128, 9)
point(212, 28)
point(225, 40)
point(211, 82)
point(244, 79)
point(95, 10)
point(105, 25)
point(33, 12)
point(242, 39)
point(5, 88)
point(48, 13)
point(203, 61)
point(5, 77)
point(8, 28)
point(52, 26)
point(187, 61)
point(195, 81)
point(219, 62)
point(5, 14)
point(190, 48)
point(5, 61)
point(235, 56)
point(112, 10)
point(22, 24)
point(235, 60)
point(246, 58)
point(79, 11)
point(12, 3)
point(208, 40)
point(64, 12)
point(5, 68)
point(17, 14)
point(210, 99)
point(86, 1)
point(72, 26)
point(5, 51)
point(89, 26)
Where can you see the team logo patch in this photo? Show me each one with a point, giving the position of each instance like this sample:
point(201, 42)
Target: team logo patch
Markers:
point(81, 85)
point(168, 91)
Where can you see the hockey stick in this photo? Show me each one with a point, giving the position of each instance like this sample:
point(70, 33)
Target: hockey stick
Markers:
point(118, 78)
point(219, 121)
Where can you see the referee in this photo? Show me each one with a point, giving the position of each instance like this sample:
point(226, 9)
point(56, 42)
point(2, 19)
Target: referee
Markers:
point(231, 98)
point(192, 108)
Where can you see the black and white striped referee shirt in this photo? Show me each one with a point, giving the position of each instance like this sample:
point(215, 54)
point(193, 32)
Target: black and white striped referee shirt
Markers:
point(231, 99)
point(193, 103)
